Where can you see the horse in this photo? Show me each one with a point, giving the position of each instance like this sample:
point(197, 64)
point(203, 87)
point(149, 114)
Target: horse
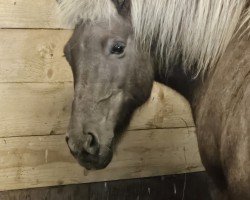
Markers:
point(199, 48)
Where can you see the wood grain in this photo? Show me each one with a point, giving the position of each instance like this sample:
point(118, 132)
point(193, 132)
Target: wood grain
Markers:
point(33, 56)
point(34, 108)
point(45, 160)
point(29, 14)
point(44, 108)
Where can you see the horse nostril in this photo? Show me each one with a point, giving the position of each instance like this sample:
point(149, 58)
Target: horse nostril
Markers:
point(92, 144)
point(93, 140)
point(67, 139)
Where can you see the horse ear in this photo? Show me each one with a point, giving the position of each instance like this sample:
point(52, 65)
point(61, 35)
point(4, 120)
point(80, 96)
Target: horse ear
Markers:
point(123, 7)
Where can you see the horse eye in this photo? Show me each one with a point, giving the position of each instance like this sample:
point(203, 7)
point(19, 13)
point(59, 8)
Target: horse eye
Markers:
point(118, 48)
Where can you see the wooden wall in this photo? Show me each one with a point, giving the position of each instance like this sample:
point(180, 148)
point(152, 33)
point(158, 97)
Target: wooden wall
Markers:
point(35, 98)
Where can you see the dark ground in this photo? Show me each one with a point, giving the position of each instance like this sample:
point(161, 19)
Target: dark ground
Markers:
point(192, 186)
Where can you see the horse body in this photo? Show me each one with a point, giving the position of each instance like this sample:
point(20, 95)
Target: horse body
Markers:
point(208, 64)
point(220, 103)
point(221, 109)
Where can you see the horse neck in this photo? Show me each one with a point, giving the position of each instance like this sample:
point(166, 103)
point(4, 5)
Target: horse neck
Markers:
point(216, 90)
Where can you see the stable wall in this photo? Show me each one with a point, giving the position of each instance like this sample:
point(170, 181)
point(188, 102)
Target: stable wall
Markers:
point(35, 97)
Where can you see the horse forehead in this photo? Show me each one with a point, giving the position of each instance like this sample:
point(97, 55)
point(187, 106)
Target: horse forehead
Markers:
point(110, 28)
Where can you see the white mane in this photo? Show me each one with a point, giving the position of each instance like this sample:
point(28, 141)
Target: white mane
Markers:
point(199, 30)
point(72, 11)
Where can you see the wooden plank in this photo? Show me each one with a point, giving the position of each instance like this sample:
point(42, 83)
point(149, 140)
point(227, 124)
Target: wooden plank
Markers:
point(33, 56)
point(193, 186)
point(119, 190)
point(29, 14)
point(45, 160)
point(34, 108)
point(44, 109)
point(68, 192)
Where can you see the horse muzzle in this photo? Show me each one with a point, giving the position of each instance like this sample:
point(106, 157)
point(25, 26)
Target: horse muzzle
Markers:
point(89, 154)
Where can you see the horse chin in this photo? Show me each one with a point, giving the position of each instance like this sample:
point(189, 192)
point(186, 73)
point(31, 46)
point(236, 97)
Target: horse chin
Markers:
point(92, 162)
